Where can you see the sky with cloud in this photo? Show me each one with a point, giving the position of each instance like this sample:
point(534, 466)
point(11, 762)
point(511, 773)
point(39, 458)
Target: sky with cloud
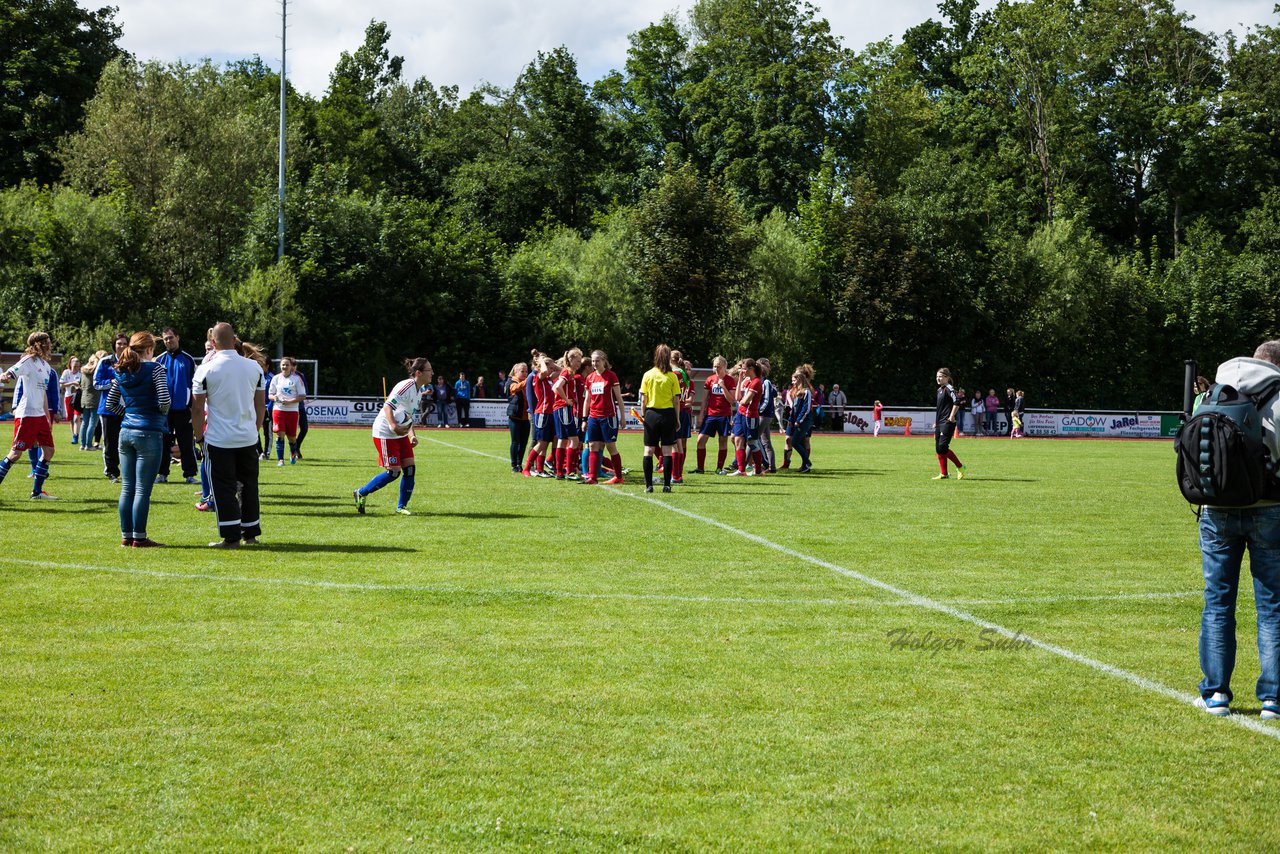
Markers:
point(467, 43)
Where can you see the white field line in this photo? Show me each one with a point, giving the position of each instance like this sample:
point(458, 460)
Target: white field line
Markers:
point(516, 592)
point(928, 604)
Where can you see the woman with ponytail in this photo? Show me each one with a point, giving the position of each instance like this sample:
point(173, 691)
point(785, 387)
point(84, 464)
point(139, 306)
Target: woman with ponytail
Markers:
point(139, 394)
point(35, 406)
point(603, 409)
point(564, 414)
point(538, 391)
point(802, 414)
point(659, 399)
point(394, 436)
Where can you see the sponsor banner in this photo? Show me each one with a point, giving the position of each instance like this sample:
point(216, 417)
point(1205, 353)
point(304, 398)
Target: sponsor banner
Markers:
point(915, 422)
point(901, 422)
point(342, 410)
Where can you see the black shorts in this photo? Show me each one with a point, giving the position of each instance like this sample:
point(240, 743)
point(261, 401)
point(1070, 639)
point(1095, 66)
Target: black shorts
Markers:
point(659, 427)
point(942, 438)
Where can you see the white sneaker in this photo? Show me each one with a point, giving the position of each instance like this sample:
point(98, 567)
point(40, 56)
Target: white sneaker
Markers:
point(1218, 704)
point(44, 496)
point(280, 463)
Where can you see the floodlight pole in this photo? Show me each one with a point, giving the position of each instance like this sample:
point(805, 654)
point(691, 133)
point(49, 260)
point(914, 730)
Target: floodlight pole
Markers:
point(284, 27)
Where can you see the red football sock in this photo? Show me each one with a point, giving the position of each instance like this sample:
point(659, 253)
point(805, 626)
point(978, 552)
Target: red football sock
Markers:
point(758, 460)
point(702, 458)
point(529, 462)
point(951, 455)
point(720, 455)
point(740, 457)
point(678, 462)
point(593, 464)
point(942, 462)
point(617, 466)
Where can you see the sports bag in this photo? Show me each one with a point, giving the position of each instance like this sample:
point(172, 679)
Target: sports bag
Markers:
point(1223, 460)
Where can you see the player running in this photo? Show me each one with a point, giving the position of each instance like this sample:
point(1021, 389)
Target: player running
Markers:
point(717, 417)
point(33, 427)
point(394, 436)
point(287, 392)
point(603, 409)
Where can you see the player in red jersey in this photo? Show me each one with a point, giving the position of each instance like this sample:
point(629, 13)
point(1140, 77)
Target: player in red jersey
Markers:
point(746, 422)
point(722, 391)
point(684, 427)
point(603, 411)
point(543, 398)
point(564, 414)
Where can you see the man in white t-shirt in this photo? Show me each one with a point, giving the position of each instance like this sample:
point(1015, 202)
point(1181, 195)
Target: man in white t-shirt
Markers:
point(230, 389)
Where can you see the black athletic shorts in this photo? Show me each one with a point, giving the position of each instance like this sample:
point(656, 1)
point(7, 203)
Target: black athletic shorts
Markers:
point(659, 427)
point(942, 437)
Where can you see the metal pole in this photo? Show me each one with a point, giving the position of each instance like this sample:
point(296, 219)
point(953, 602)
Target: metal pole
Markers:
point(284, 26)
point(1188, 388)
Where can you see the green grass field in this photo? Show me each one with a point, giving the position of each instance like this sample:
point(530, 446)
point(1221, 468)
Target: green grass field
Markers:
point(531, 664)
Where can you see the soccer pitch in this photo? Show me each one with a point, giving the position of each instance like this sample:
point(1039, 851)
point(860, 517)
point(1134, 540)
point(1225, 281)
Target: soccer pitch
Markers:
point(781, 663)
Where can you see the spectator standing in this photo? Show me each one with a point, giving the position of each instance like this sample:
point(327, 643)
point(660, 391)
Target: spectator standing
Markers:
point(877, 418)
point(1019, 414)
point(179, 370)
point(102, 377)
point(140, 396)
point(504, 385)
point(1225, 534)
point(992, 406)
point(1010, 399)
point(978, 409)
point(441, 398)
point(836, 402)
point(628, 390)
point(962, 401)
point(230, 389)
point(462, 400)
point(90, 424)
point(819, 406)
point(480, 391)
point(517, 413)
point(768, 414)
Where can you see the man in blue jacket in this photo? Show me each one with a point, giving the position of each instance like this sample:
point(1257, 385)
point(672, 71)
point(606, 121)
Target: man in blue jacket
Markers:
point(180, 369)
point(462, 399)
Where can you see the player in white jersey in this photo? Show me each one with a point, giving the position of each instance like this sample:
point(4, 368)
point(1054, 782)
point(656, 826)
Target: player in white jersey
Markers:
point(33, 427)
point(287, 392)
point(394, 437)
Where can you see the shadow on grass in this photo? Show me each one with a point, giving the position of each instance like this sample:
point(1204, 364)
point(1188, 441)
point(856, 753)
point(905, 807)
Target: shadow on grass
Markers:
point(341, 548)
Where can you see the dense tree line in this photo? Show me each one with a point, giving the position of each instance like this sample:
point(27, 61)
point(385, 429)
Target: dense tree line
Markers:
point(1069, 195)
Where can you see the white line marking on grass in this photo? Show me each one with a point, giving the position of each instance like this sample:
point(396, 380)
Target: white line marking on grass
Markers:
point(516, 592)
point(934, 605)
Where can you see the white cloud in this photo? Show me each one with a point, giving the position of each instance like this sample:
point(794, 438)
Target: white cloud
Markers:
point(466, 43)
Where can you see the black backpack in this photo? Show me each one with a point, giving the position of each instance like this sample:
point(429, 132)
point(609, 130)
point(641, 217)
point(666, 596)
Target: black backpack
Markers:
point(1223, 460)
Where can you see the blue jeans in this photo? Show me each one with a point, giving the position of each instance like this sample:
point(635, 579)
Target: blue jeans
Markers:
point(88, 423)
point(1224, 536)
point(139, 461)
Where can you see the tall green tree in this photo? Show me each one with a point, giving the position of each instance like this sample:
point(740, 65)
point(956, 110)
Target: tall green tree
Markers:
point(690, 250)
point(51, 54)
point(760, 104)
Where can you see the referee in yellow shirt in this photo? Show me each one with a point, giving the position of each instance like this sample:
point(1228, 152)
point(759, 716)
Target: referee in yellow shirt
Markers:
point(659, 392)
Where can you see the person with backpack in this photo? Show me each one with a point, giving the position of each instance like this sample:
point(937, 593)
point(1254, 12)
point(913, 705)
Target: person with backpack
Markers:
point(1244, 403)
